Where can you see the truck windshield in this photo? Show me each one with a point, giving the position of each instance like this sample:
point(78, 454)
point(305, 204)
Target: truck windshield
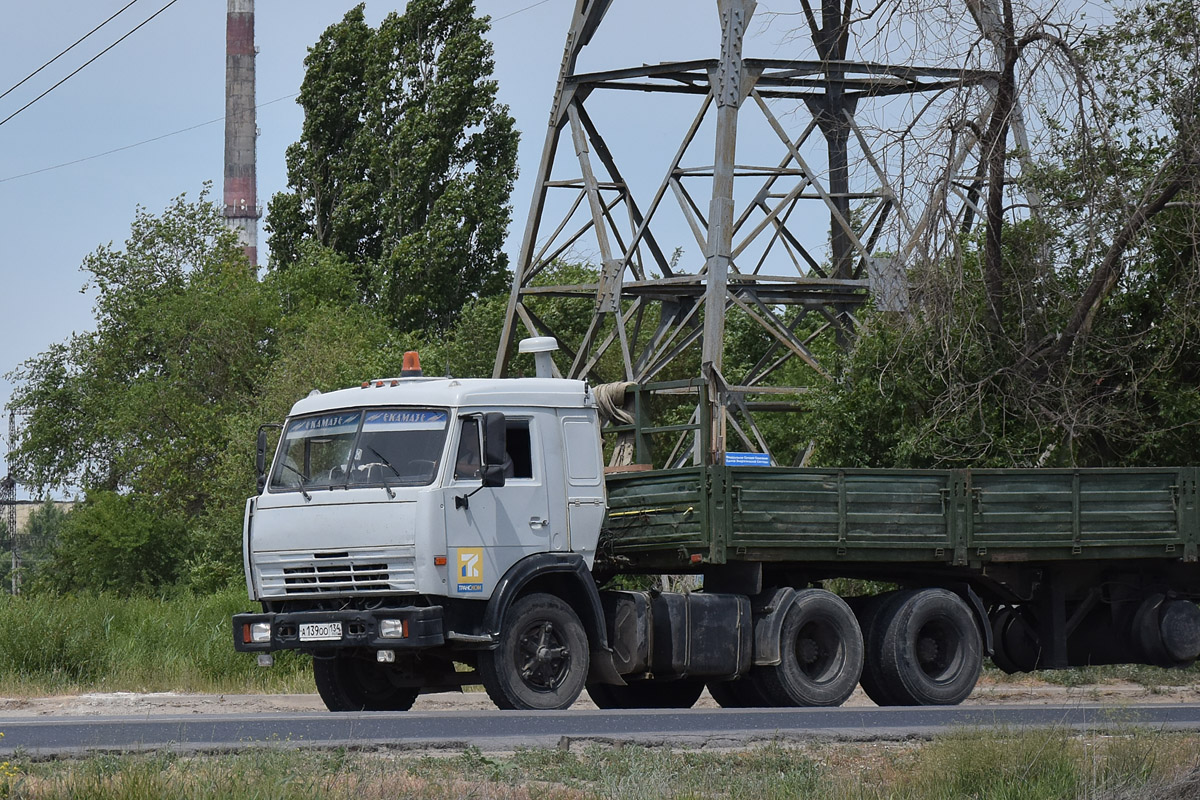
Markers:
point(376, 447)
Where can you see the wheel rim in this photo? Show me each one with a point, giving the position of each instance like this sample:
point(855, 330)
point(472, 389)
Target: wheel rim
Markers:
point(543, 658)
point(819, 651)
point(938, 649)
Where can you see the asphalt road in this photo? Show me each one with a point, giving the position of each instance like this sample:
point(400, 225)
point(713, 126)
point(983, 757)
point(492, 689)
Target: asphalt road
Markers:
point(510, 730)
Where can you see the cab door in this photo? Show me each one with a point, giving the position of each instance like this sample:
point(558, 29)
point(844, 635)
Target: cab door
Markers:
point(490, 529)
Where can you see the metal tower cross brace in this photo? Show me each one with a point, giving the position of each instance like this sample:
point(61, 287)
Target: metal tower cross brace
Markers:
point(650, 313)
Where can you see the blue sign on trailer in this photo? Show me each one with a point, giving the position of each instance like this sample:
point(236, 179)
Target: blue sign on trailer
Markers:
point(747, 460)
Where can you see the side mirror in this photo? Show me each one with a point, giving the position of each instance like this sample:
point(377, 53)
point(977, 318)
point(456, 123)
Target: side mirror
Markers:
point(260, 454)
point(496, 451)
point(260, 460)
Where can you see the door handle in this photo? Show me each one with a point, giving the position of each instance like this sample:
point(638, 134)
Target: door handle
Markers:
point(537, 522)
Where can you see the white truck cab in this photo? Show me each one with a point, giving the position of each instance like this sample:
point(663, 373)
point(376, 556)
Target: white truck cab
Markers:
point(411, 523)
point(378, 490)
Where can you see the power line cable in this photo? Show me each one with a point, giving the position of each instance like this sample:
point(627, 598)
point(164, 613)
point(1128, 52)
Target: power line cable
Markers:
point(519, 10)
point(136, 144)
point(89, 61)
point(21, 82)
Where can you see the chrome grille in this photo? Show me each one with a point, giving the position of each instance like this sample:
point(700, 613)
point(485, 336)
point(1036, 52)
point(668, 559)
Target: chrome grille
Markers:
point(379, 570)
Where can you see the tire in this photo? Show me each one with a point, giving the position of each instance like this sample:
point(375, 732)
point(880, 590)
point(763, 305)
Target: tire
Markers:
point(1014, 643)
point(1159, 615)
point(873, 616)
point(1179, 629)
point(740, 693)
point(821, 653)
point(541, 662)
point(930, 651)
point(681, 693)
point(351, 682)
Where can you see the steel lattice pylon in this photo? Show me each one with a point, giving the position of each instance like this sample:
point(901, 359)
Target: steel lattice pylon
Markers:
point(648, 311)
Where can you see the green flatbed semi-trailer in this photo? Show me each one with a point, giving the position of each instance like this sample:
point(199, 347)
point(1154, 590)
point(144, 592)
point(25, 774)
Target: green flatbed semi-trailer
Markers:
point(1063, 567)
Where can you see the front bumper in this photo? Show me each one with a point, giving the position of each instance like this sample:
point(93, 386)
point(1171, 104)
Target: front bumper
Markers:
point(421, 624)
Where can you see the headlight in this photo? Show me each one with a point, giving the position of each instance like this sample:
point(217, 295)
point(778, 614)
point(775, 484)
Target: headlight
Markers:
point(393, 629)
point(260, 632)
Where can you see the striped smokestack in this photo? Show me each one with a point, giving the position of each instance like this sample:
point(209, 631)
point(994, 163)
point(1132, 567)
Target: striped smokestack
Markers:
point(241, 129)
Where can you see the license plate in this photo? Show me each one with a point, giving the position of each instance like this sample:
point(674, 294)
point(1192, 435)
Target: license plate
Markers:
point(320, 631)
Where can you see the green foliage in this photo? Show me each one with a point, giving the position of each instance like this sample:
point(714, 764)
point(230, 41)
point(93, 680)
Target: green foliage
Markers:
point(37, 541)
point(155, 413)
point(114, 543)
point(405, 162)
point(139, 404)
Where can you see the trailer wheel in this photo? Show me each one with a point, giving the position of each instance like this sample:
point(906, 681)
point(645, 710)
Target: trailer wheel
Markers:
point(821, 651)
point(350, 682)
point(681, 693)
point(1168, 631)
point(743, 692)
point(930, 651)
point(542, 659)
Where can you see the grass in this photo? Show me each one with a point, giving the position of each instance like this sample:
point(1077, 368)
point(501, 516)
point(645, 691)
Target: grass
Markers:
point(51, 645)
point(1039, 765)
point(1140, 674)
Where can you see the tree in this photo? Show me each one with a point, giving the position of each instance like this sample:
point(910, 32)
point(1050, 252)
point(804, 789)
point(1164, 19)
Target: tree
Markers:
point(405, 162)
point(115, 543)
point(36, 542)
point(1066, 339)
point(139, 404)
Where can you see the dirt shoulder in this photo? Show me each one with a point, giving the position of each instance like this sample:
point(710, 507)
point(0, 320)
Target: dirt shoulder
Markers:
point(136, 704)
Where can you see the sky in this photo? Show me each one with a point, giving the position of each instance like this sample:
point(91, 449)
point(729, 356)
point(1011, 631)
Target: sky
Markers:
point(169, 76)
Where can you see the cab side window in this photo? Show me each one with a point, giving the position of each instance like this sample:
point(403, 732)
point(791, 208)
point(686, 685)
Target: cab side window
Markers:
point(520, 448)
point(467, 460)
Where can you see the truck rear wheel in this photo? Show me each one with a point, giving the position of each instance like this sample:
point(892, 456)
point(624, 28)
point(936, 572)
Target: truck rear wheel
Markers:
point(681, 693)
point(927, 650)
point(821, 652)
point(541, 662)
point(350, 682)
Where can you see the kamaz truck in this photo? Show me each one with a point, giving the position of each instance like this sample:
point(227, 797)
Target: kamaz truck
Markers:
point(420, 534)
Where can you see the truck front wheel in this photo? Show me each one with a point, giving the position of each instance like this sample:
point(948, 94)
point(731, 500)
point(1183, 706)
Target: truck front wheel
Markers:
point(349, 682)
point(541, 662)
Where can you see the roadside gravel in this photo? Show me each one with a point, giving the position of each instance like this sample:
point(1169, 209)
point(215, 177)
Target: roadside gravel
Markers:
point(136, 704)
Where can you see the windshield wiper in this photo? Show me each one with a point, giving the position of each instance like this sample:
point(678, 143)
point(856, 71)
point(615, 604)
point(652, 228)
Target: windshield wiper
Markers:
point(384, 459)
point(303, 478)
point(387, 464)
